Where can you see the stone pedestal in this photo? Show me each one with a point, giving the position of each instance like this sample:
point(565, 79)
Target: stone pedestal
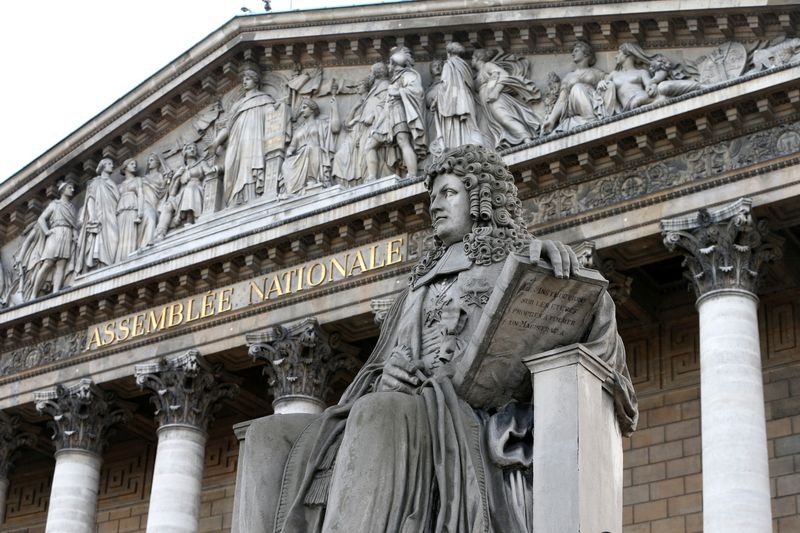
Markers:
point(734, 434)
point(73, 495)
point(177, 480)
point(724, 251)
point(187, 391)
point(212, 195)
point(577, 444)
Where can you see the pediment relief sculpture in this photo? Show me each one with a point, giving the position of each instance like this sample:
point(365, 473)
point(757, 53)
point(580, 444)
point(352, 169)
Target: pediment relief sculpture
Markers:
point(282, 135)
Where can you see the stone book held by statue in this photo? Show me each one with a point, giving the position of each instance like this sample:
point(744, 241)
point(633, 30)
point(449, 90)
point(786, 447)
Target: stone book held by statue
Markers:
point(529, 311)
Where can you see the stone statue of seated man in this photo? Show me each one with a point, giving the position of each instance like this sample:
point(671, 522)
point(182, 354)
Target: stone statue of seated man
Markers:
point(402, 451)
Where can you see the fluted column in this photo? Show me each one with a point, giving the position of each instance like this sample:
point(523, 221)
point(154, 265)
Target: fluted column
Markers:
point(724, 251)
point(301, 360)
point(11, 439)
point(186, 392)
point(82, 415)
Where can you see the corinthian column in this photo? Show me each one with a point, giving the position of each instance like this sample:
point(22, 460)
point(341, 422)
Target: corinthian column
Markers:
point(301, 360)
point(186, 391)
point(82, 415)
point(11, 439)
point(724, 250)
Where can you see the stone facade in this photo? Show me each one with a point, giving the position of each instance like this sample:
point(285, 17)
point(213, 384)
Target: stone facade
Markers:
point(644, 135)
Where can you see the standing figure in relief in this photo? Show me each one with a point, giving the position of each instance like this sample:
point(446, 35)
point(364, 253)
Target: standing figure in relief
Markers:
point(309, 155)
point(454, 108)
point(59, 224)
point(576, 98)
point(98, 238)
point(190, 179)
point(130, 210)
point(155, 185)
point(402, 121)
point(244, 133)
point(350, 162)
point(431, 96)
point(505, 95)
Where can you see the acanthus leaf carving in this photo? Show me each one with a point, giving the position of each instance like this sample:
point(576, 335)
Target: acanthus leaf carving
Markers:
point(187, 389)
point(82, 415)
point(723, 248)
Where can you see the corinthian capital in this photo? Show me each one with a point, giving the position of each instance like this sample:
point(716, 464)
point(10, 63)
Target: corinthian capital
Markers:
point(82, 415)
point(724, 248)
point(301, 359)
point(186, 389)
point(11, 439)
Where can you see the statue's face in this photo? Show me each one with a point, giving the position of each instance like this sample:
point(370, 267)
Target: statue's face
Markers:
point(191, 150)
point(131, 167)
point(152, 162)
point(248, 82)
point(578, 54)
point(69, 190)
point(450, 209)
point(108, 166)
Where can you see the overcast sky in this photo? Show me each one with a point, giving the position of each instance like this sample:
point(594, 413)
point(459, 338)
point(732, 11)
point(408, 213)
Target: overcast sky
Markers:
point(63, 62)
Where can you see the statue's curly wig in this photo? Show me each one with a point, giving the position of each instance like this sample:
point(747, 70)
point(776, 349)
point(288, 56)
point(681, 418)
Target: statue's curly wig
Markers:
point(498, 228)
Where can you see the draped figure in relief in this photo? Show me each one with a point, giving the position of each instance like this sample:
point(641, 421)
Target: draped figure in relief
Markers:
point(402, 451)
point(155, 186)
point(350, 162)
point(244, 133)
point(189, 177)
point(401, 124)
point(309, 155)
point(505, 95)
point(99, 234)
point(575, 104)
point(454, 108)
point(58, 224)
point(130, 210)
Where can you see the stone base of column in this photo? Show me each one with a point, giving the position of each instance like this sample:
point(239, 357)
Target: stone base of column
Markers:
point(577, 444)
point(304, 405)
point(73, 496)
point(177, 480)
point(736, 491)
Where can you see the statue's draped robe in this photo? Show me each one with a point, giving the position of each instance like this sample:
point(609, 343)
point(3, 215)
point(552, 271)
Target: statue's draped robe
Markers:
point(244, 156)
point(350, 161)
point(504, 101)
point(455, 118)
point(405, 113)
point(581, 99)
point(154, 189)
point(127, 213)
point(97, 249)
point(423, 462)
point(314, 144)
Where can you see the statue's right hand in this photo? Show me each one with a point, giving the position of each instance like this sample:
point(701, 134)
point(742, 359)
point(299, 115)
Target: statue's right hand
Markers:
point(399, 376)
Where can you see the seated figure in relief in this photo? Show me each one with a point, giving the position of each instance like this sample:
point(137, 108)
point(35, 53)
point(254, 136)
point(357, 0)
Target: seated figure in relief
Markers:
point(99, 234)
point(309, 155)
point(505, 96)
point(575, 104)
point(639, 79)
point(243, 132)
point(402, 451)
point(401, 124)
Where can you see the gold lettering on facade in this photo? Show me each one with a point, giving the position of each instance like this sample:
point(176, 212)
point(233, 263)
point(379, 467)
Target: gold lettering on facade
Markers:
point(269, 287)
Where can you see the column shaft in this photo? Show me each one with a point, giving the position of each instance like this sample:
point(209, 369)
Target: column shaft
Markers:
point(3, 496)
point(177, 480)
point(73, 496)
point(736, 491)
